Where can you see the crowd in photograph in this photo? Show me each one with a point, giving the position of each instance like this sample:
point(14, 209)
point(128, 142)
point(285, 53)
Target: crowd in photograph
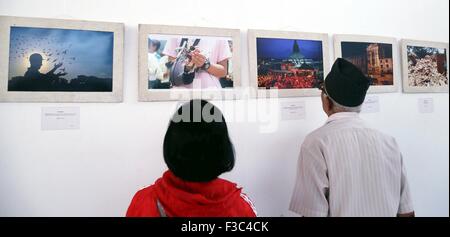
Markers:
point(286, 81)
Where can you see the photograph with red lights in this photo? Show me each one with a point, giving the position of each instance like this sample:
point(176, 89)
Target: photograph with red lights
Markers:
point(289, 63)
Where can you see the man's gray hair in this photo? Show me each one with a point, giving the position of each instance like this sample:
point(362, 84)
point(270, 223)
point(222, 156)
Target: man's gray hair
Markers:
point(338, 108)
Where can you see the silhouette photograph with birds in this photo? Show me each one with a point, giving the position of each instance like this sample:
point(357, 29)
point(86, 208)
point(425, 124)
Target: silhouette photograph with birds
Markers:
point(47, 59)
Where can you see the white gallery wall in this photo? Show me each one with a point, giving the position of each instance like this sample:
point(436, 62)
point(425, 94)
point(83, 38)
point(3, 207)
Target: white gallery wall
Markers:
point(95, 171)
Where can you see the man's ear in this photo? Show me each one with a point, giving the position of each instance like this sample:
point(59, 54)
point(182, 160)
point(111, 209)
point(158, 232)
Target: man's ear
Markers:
point(328, 103)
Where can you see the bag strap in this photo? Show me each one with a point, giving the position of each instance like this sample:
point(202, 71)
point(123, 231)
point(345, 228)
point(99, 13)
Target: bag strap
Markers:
point(161, 211)
point(196, 42)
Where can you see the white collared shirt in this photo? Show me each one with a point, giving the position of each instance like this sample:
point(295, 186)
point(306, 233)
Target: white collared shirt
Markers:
point(348, 169)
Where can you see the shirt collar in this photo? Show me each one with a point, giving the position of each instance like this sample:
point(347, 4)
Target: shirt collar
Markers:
point(343, 115)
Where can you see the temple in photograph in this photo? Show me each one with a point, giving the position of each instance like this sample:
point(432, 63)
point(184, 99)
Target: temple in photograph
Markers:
point(297, 57)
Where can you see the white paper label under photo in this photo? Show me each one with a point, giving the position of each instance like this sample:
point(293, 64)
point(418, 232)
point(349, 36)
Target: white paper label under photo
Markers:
point(60, 118)
point(293, 110)
point(371, 105)
point(426, 105)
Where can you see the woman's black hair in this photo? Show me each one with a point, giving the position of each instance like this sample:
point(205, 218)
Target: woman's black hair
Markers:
point(197, 146)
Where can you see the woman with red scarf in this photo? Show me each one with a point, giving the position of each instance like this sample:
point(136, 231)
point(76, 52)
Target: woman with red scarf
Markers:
point(197, 149)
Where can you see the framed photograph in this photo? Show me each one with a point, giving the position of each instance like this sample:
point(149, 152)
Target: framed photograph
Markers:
point(377, 57)
point(425, 66)
point(292, 63)
point(181, 63)
point(51, 60)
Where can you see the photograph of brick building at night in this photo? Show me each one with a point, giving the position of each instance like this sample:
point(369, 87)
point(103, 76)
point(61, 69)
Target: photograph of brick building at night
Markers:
point(374, 60)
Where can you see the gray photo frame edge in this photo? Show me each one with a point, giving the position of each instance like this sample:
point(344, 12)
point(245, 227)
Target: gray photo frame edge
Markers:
point(116, 96)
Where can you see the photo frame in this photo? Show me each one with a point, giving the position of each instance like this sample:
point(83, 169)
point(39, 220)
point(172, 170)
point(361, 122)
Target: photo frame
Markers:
point(219, 46)
point(86, 57)
point(376, 56)
point(290, 71)
point(425, 66)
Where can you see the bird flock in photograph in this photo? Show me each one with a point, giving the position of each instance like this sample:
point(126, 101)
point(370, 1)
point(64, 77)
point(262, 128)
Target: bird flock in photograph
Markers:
point(49, 48)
